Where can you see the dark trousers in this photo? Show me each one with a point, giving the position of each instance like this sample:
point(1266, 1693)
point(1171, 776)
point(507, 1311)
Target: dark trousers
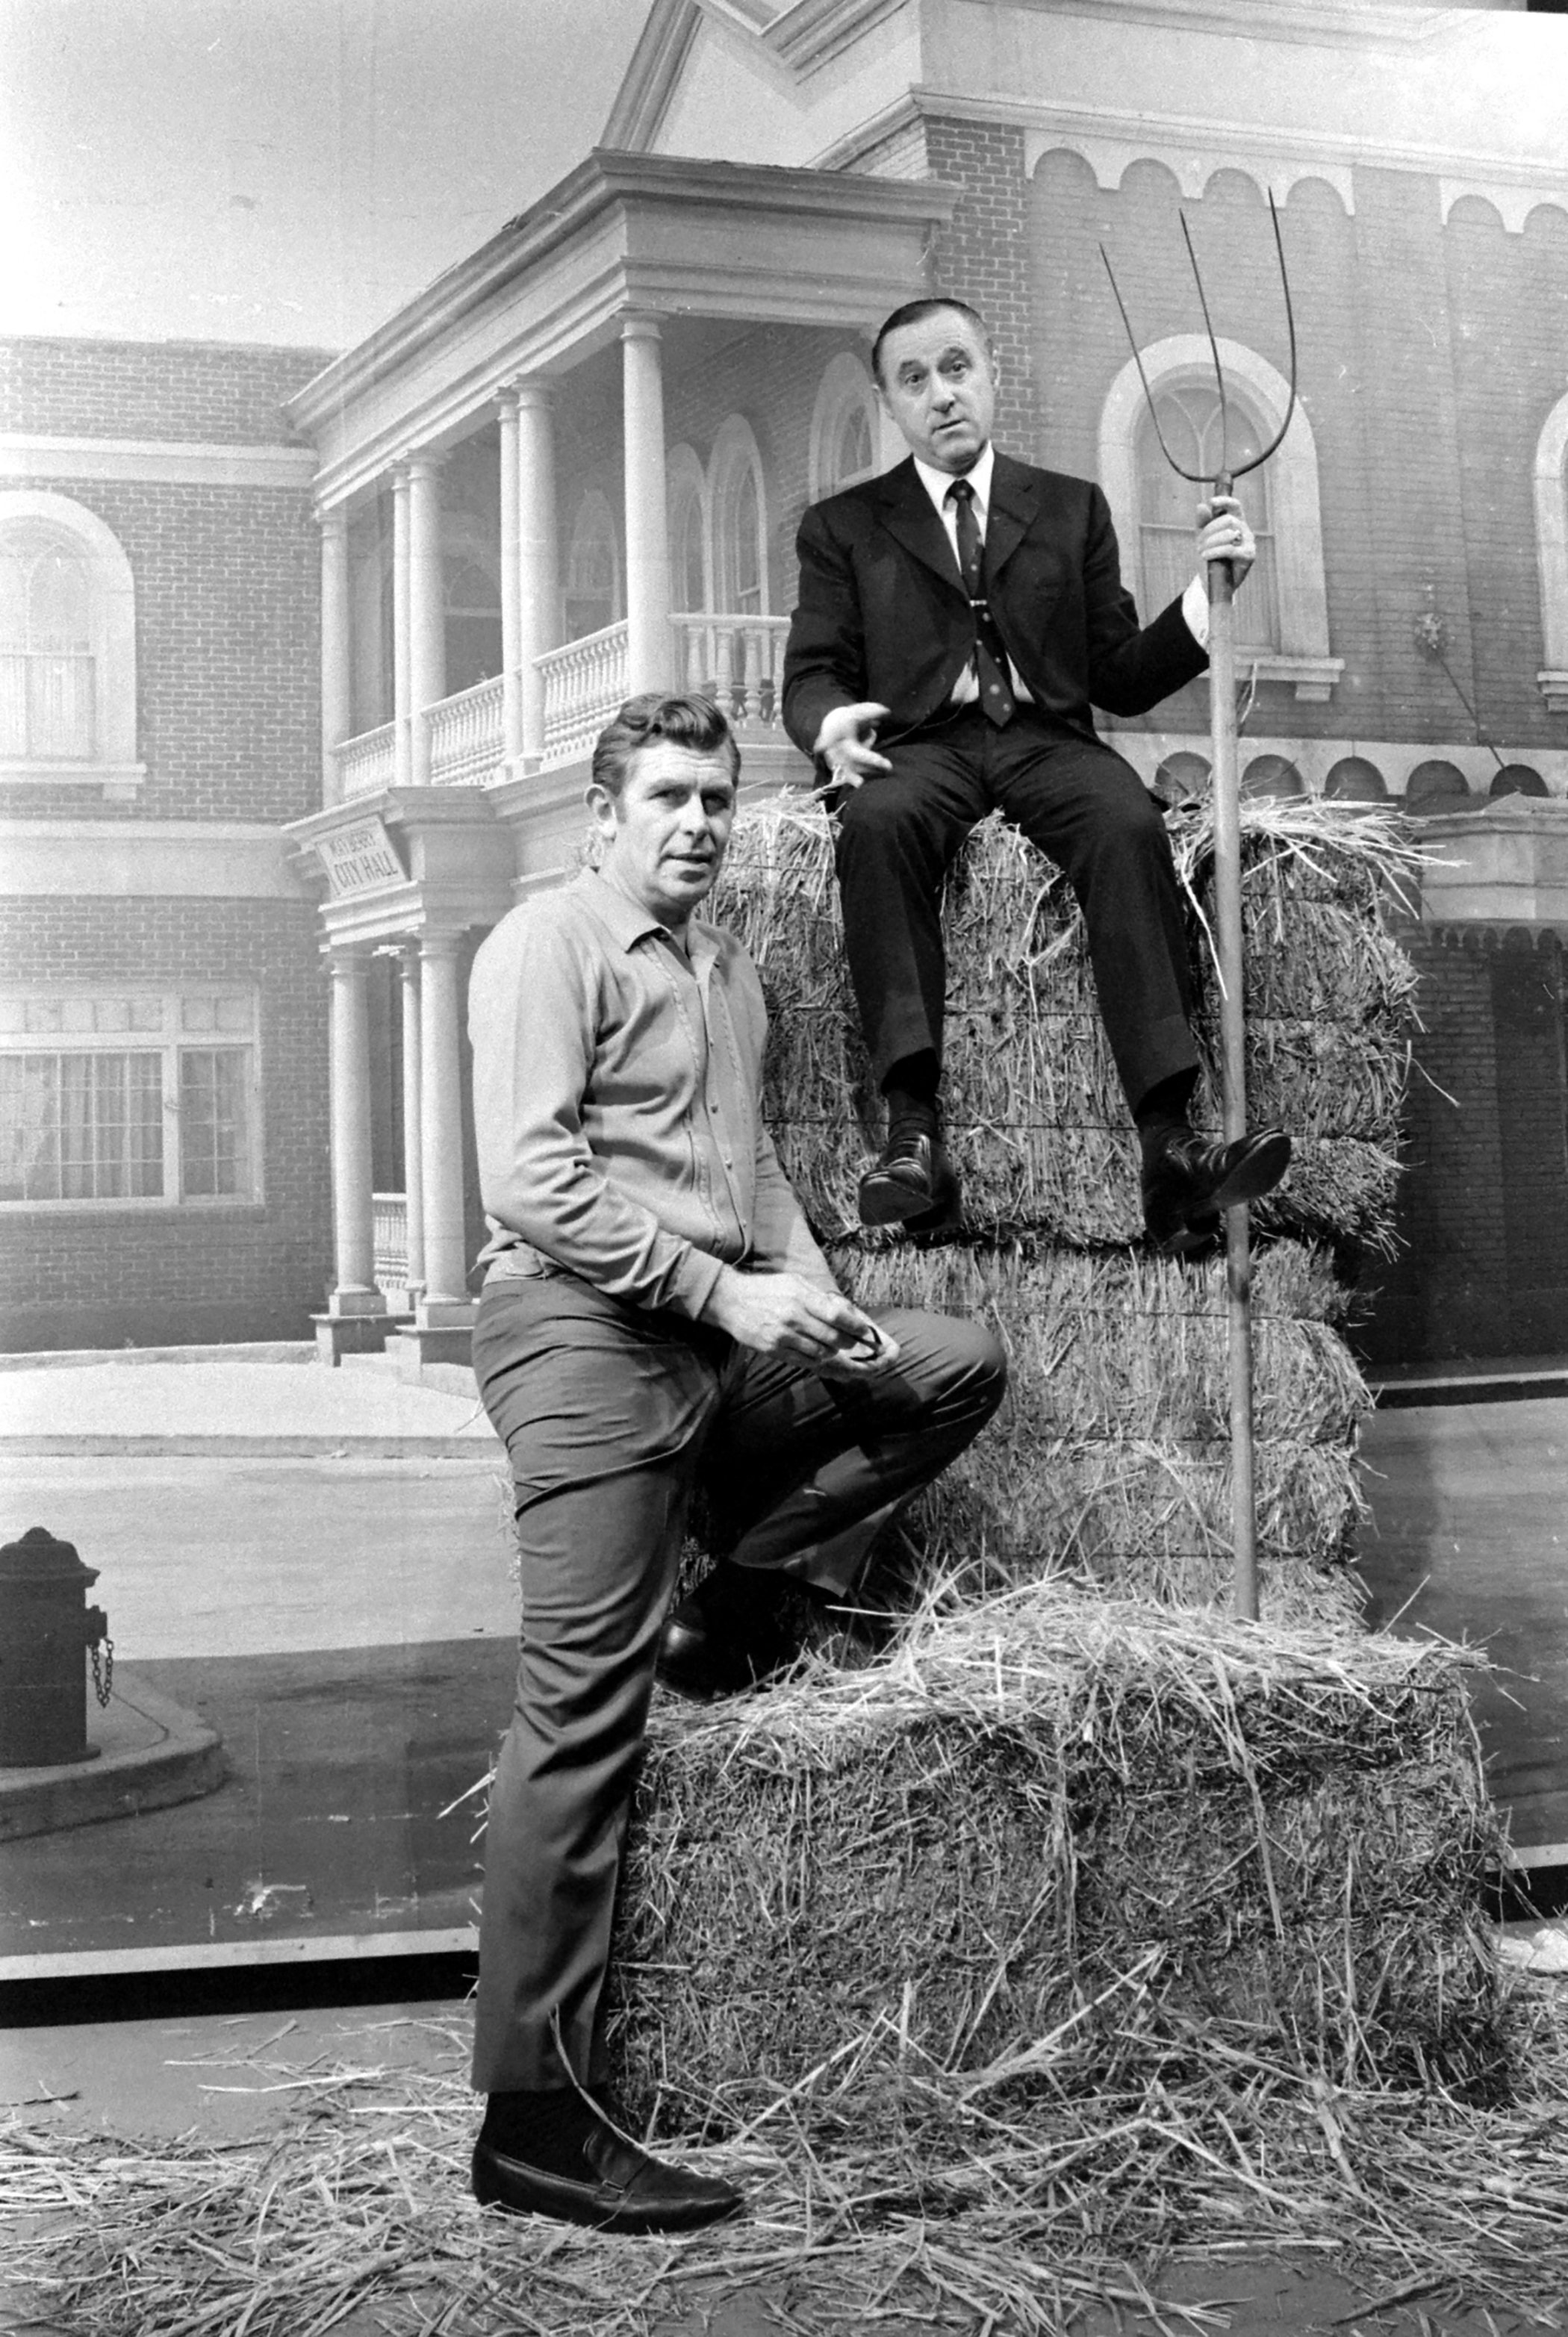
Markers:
point(611, 1416)
point(1087, 810)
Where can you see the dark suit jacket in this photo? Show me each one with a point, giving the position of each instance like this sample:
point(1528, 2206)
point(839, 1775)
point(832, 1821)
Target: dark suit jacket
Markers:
point(883, 614)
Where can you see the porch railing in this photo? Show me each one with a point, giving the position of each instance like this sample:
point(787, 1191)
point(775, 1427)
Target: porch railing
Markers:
point(389, 1236)
point(736, 660)
point(369, 762)
point(464, 735)
point(584, 682)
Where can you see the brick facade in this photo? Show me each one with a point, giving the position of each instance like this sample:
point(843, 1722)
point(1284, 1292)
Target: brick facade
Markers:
point(96, 1274)
point(227, 585)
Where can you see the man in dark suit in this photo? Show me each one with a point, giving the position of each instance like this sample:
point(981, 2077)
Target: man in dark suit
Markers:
point(958, 617)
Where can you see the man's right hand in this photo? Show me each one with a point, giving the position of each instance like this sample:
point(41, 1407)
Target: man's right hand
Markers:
point(847, 743)
point(783, 1314)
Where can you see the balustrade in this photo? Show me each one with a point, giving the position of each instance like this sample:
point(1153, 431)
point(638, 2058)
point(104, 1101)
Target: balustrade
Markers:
point(466, 735)
point(366, 762)
point(584, 682)
point(390, 1213)
point(738, 660)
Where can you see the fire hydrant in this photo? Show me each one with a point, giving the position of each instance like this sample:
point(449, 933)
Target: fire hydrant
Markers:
point(44, 1627)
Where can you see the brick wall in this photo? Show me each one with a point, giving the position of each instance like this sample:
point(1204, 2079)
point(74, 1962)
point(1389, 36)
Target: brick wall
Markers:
point(1482, 1268)
point(101, 1277)
point(196, 391)
point(227, 594)
point(981, 257)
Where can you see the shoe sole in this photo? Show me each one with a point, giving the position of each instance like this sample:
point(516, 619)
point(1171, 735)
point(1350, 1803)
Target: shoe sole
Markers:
point(619, 2219)
point(887, 1205)
point(1249, 1181)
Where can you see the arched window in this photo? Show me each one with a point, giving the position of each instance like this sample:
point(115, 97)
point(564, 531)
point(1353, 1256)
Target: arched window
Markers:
point(1282, 611)
point(1552, 554)
point(1190, 417)
point(739, 538)
point(688, 502)
point(847, 428)
point(592, 593)
point(67, 645)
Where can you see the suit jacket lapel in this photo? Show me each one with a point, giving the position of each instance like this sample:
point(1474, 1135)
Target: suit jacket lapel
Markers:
point(1014, 504)
point(908, 514)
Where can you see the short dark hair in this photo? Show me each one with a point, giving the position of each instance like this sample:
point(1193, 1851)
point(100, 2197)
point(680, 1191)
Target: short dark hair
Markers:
point(915, 312)
point(695, 723)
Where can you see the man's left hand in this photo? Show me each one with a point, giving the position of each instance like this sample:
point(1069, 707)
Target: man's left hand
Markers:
point(1223, 534)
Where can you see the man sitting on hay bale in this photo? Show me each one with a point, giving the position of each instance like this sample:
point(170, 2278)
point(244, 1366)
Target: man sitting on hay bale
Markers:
point(655, 1315)
point(958, 617)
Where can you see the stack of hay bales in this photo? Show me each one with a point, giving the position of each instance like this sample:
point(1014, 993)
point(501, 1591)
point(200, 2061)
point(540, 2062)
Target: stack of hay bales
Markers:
point(1076, 1814)
point(1112, 1456)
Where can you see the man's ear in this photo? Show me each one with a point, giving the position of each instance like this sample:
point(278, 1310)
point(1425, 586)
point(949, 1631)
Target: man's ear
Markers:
point(602, 811)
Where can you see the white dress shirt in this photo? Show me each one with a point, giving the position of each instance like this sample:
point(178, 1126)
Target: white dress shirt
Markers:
point(966, 688)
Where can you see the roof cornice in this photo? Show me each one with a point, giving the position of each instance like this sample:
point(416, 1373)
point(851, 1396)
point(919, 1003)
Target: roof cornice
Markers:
point(653, 75)
point(573, 209)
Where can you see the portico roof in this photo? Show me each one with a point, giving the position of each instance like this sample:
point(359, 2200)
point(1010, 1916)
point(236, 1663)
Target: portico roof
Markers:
point(623, 234)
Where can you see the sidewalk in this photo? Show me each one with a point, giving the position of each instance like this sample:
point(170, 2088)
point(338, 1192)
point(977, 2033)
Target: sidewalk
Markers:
point(233, 1404)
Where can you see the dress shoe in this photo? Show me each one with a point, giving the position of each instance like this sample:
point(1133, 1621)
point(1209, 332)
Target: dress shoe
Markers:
point(911, 1183)
point(731, 1633)
point(1188, 1182)
point(620, 2189)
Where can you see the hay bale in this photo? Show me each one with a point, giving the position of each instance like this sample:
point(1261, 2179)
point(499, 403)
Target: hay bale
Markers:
point(1035, 1117)
point(1051, 1815)
point(1110, 1457)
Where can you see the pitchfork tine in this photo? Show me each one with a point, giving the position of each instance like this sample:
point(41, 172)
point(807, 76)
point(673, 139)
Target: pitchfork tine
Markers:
point(1223, 482)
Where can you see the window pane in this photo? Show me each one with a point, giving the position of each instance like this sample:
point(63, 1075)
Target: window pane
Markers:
point(852, 455)
point(81, 1127)
point(214, 1123)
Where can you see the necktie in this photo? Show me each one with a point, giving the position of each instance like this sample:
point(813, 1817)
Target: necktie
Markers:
point(997, 699)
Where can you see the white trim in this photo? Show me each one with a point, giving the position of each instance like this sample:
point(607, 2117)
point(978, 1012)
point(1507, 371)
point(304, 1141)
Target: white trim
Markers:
point(1551, 487)
point(1396, 758)
point(157, 462)
point(51, 859)
point(1515, 202)
point(735, 452)
point(208, 1955)
point(684, 474)
point(1303, 653)
point(845, 379)
point(1194, 146)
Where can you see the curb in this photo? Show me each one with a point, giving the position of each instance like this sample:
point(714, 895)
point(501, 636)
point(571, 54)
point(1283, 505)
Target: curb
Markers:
point(183, 1761)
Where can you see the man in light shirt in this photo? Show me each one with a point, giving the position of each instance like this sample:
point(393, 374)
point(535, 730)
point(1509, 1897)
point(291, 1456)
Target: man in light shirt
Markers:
point(655, 1317)
point(958, 619)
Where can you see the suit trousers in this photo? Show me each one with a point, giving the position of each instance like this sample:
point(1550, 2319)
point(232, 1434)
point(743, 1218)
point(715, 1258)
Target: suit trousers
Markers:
point(1086, 808)
point(612, 1416)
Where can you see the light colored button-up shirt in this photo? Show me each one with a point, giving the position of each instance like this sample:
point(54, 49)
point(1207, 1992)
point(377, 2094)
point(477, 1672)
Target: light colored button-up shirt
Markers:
point(937, 483)
point(617, 1103)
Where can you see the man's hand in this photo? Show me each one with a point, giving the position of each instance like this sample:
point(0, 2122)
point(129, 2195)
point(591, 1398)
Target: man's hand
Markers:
point(781, 1314)
point(1223, 534)
point(847, 743)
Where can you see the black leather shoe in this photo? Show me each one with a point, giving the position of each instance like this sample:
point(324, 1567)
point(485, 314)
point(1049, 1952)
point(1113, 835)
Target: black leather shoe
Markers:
point(911, 1183)
point(731, 1633)
point(621, 2189)
point(1190, 1182)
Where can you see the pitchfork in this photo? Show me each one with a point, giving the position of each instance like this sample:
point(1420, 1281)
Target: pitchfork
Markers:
point(1228, 893)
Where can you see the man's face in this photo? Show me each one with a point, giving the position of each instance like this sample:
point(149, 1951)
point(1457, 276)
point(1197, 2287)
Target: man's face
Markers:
point(939, 386)
point(664, 835)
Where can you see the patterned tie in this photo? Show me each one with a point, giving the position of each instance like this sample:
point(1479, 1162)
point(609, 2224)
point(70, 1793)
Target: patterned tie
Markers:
point(997, 699)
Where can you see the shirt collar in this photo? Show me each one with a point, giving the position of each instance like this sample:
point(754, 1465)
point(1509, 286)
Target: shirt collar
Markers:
point(627, 925)
point(937, 482)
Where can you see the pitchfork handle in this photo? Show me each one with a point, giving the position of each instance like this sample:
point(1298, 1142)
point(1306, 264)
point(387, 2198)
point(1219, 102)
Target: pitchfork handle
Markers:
point(1233, 1058)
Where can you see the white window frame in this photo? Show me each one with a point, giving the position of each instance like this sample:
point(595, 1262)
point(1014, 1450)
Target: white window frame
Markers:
point(596, 513)
point(169, 1041)
point(1551, 555)
point(112, 766)
point(686, 481)
point(847, 383)
point(1302, 657)
point(736, 452)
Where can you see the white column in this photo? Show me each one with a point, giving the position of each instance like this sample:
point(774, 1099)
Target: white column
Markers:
point(402, 699)
point(538, 583)
point(441, 1117)
point(648, 647)
point(412, 1117)
point(353, 1222)
point(510, 585)
point(336, 650)
point(426, 606)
